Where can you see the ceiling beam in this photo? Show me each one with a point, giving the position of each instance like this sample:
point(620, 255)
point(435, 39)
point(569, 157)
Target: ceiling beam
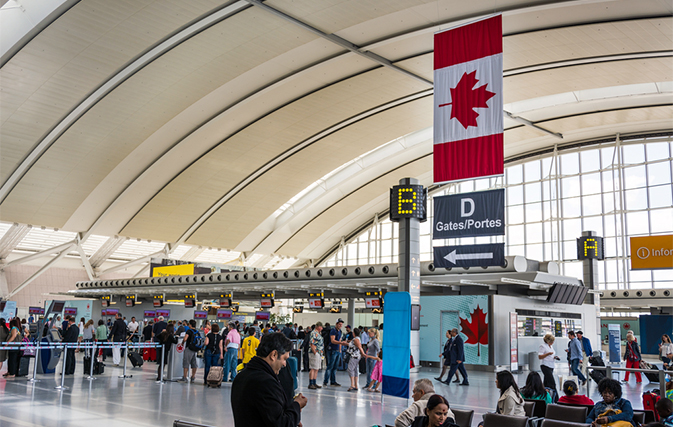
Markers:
point(13, 238)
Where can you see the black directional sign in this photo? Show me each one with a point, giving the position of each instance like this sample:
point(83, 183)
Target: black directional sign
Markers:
point(470, 255)
point(481, 213)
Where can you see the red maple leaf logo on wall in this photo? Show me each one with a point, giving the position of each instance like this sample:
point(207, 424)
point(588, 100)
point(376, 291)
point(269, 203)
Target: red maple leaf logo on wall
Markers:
point(477, 330)
point(465, 97)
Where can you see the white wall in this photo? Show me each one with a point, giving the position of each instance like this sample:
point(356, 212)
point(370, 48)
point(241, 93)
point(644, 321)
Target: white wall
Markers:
point(361, 319)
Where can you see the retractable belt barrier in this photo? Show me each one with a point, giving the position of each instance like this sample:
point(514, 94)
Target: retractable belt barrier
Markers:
point(82, 345)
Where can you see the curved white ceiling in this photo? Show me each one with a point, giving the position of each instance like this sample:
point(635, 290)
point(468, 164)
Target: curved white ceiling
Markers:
point(195, 123)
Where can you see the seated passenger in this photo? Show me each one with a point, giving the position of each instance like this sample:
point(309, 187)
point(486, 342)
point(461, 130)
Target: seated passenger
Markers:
point(571, 396)
point(436, 414)
point(613, 407)
point(510, 401)
point(534, 389)
point(665, 409)
point(423, 390)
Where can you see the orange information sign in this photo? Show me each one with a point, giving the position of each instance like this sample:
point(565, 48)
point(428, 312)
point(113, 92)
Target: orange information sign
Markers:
point(651, 252)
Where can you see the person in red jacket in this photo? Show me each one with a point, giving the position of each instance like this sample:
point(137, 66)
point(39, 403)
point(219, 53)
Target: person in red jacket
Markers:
point(571, 396)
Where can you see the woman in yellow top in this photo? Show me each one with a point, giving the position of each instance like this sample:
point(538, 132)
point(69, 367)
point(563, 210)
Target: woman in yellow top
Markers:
point(249, 346)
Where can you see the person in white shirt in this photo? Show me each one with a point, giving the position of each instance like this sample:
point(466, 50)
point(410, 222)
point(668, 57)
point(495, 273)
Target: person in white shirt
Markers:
point(133, 328)
point(547, 356)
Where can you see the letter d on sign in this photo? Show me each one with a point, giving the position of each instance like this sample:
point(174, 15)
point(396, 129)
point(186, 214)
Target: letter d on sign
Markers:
point(463, 204)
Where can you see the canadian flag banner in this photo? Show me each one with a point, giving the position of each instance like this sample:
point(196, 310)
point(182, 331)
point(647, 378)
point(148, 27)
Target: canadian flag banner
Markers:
point(468, 121)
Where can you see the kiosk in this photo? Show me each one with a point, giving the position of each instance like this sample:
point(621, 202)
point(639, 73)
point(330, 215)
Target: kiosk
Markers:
point(175, 360)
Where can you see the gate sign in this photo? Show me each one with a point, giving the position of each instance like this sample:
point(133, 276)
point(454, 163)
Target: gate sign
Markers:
point(481, 213)
point(492, 254)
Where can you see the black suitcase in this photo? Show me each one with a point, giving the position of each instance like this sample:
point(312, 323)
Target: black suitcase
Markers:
point(24, 364)
point(98, 367)
point(135, 358)
point(654, 378)
point(297, 354)
point(362, 366)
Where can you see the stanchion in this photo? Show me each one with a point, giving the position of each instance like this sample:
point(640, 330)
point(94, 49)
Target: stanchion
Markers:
point(126, 356)
point(37, 360)
point(161, 374)
point(65, 357)
point(93, 361)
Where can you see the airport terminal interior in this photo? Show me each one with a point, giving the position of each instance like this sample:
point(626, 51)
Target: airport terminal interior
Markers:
point(221, 161)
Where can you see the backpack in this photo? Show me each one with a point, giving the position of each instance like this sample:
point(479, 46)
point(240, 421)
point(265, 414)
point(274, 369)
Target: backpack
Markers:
point(197, 341)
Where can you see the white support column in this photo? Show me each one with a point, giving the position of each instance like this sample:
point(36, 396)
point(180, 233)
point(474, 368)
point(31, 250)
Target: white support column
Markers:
point(104, 252)
point(4, 288)
point(39, 272)
point(12, 238)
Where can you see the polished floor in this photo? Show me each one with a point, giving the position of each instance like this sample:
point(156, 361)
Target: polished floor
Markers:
point(139, 401)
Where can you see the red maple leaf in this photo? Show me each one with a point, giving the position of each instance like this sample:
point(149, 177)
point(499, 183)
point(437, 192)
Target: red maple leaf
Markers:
point(465, 97)
point(477, 330)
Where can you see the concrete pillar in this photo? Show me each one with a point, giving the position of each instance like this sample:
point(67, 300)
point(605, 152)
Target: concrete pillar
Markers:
point(351, 312)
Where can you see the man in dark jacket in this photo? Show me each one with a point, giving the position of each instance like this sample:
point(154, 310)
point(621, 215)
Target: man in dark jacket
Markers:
point(457, 354)
point(70, 337)
point(259, 382)
point(117, 334)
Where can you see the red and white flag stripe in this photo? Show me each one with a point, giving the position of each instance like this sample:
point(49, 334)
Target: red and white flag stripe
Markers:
point(468, 117)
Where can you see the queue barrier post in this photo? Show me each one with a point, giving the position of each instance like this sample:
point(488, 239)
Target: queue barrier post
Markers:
point(161, 374)
point(126, 356)
point(37, 360)
point(65, 356)
point(93, 361)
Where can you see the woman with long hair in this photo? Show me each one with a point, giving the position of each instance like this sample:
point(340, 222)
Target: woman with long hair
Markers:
point(166, 338)
point(373, 348)
point(87, 335)
point(632, 357)
point(666, 351)
point(534, 389)
point(356, 352)
point(510, 401)
point(4, 334)
point(436, 413)
point(14, 355)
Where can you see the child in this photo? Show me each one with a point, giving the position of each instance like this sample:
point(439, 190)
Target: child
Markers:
point(377, 374)
point(665, 410)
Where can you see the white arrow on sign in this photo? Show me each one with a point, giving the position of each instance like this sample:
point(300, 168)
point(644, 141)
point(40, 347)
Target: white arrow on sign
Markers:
point(452, 257)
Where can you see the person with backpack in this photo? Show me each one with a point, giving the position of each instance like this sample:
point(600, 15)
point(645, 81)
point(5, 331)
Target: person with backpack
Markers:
point(211, 356)
point(193, 342)
point(229, 351)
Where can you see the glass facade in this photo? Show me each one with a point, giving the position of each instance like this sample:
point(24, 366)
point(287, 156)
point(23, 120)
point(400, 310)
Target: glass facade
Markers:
point(618, 189)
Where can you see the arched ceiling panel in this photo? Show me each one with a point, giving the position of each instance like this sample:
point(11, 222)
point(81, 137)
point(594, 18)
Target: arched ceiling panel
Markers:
point(221, 169)
point(71, 57)
point(236, 219)
point(354, 209)
point(523, 139)
point(115, 126)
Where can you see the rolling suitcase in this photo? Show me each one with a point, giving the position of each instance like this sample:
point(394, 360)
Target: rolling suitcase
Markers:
point(654, 378)
point(215, 375)
point(135, 358)
point(24, 364)
point(649, 402)
point(150, 354)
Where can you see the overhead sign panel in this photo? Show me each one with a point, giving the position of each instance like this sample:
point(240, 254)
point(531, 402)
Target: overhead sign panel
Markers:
point(481, 213)
point(590, 247)
point(487, 255)
point(652, 252)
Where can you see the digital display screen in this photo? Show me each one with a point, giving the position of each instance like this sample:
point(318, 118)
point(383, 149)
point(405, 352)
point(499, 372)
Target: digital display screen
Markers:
point(105, 303)
point(71, 311)
point(111, 311)
point(266, 302)
point(150, 314)
point(408, 201)
point(158, 303)
point(35, 310)
point(56, 306)
point(224, 314)
point(225, 302)
point(189, 303)
point(316, 303)
point(166, 313)
point(130, 302)
point(262, 315)
point(373, 302)
point(415, 317)
point(200, 314)
point(590, 247)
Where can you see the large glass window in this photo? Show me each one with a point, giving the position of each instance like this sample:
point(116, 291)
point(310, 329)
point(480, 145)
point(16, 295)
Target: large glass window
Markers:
point(618, 189)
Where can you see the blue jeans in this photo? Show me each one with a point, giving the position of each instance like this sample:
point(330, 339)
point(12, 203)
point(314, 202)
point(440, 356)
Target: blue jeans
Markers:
point(230, 363)
point(370, 368)
point(330, 371)
point(574, 367)
point(210, 359)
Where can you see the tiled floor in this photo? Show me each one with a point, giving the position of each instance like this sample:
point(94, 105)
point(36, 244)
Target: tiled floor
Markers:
point(138, 401)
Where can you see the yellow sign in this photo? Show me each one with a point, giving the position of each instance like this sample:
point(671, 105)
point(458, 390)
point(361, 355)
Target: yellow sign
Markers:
point(173, 270)
point(652, 252)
